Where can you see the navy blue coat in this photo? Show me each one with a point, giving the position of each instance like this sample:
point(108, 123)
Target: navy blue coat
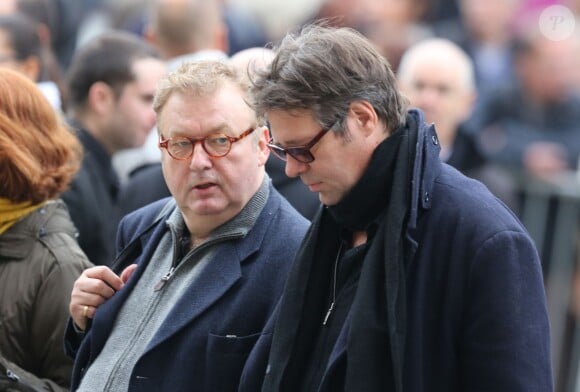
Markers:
point(205, 340)
point(476, 308)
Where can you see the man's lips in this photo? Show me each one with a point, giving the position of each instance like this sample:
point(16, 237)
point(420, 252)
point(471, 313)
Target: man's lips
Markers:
point(205, 185)
point(314, 187)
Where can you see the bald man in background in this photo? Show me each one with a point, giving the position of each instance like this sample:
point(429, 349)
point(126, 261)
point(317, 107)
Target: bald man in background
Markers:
point(438, 77)
point(187, 30)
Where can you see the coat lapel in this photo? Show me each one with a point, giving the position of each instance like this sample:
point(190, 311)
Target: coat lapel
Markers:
point(218, 276)
point(213, 282)
point(139, 250)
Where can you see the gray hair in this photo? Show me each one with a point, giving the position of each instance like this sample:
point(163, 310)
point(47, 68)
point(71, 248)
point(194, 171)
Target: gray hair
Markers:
point(199, 79)
point(438, 48)
point(325, 69)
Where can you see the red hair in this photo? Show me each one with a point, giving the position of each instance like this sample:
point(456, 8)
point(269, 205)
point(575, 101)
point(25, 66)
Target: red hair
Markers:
point(39, 155)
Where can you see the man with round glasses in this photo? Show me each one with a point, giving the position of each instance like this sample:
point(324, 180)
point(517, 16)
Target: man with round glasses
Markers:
point(197, 275)
point(413, 278)
point(215, 145)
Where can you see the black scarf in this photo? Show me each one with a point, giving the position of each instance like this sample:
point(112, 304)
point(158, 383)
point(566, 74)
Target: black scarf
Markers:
point(376, 335)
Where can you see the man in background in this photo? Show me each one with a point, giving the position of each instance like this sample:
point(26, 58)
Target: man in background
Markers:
point(111, 85)
point(438, 77)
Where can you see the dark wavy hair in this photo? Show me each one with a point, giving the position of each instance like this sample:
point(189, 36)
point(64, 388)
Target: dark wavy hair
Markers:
point(39, 155)
point(324, 69)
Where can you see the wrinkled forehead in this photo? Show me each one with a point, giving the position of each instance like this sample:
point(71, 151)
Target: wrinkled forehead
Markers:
point(225, 111)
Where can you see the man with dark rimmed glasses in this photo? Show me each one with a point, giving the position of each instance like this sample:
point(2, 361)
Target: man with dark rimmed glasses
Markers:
point(300, 153)
point(197, 275)
point(413, 278)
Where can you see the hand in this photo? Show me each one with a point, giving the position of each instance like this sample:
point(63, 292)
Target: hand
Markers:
point(90, 290)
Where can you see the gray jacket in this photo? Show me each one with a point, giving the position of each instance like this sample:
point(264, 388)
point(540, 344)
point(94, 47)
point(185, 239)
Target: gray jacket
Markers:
point(40, 260)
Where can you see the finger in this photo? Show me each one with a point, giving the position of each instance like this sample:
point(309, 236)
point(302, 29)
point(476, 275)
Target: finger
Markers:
point(90, 291)
point(88, 311)
point(81, 314)
point(96, 288)
point(106, 275)
point(127, 272)
point(80, 298)
point(92, 288)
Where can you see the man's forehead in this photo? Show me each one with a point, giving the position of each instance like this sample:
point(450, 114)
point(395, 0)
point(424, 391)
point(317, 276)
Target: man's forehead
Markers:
point(290, 115)
point(292, 127)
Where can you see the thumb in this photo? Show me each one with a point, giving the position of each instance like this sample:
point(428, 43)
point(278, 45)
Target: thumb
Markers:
point(127, 272)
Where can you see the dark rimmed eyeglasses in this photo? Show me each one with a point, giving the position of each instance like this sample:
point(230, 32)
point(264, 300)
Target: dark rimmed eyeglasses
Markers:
point(216, 145)
point(300, 153)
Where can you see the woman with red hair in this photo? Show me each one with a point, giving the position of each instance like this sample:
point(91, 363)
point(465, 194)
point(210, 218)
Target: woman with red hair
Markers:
point(39, 255)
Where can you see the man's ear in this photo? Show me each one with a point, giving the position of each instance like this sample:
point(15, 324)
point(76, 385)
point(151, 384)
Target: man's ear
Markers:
point(101, 98)
point(363, 117)
point(263, 150)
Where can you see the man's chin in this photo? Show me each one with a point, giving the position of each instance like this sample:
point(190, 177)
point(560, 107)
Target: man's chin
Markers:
point(326, 199)
point(207, 209)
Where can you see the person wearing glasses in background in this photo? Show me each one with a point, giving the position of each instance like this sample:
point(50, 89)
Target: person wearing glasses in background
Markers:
point(198, 274)
point(414, 277)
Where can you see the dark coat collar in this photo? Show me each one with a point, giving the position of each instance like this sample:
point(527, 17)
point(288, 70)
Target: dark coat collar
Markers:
point(427, 168)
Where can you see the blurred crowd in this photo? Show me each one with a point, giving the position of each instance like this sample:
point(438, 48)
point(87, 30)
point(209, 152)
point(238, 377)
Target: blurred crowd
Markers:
point(520, 114)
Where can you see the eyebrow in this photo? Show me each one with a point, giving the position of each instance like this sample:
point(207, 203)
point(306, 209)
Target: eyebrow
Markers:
point(219, 128)
point(291, 143)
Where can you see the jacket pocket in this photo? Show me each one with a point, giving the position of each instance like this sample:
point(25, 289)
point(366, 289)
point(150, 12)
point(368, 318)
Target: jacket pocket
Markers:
point(225, 359)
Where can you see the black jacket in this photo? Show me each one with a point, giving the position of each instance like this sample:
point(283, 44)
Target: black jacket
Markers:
point(92, 201)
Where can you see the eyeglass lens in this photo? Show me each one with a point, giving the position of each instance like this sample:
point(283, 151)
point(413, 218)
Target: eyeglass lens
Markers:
point(214, 145)
point(301, 154)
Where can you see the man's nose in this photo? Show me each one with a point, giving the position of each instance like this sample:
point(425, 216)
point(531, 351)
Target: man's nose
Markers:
point(294, 167)
point(199, 157)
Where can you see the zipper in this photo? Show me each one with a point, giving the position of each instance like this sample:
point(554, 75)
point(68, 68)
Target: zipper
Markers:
point(12, 376)
point(178, 257)
point(164, 279)
point(335, 272)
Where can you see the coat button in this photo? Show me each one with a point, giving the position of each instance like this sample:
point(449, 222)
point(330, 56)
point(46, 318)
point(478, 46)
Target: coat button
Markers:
point(434, 139)
point(427, 198)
